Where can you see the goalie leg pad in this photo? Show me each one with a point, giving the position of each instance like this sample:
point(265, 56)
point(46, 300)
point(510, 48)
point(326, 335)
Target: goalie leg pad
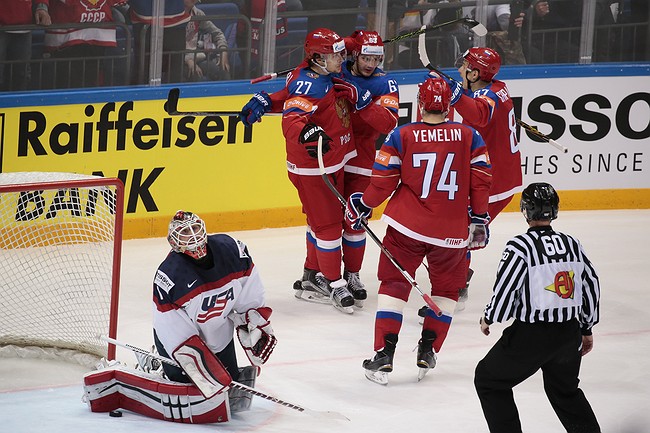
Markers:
point(151, 395)
point(202, 366)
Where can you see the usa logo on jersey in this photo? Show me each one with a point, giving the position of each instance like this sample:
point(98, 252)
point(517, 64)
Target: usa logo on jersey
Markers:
point(214, 305)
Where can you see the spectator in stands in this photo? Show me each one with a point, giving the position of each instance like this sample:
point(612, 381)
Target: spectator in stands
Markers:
point(444, 46)
point(633, 43)
point(549, 33)
point(174, 23)
point(341, 24)
point(396, 10)
point(80, 49)
point(241, 4)
point(256, 11)
point(498, 23)
point(17, 45)
point(209, 61)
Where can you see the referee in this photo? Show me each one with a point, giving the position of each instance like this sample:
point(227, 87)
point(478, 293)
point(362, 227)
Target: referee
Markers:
point(548, 285)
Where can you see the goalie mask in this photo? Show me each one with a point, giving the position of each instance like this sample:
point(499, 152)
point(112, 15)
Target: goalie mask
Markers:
point(187, 235)
point(539, 201)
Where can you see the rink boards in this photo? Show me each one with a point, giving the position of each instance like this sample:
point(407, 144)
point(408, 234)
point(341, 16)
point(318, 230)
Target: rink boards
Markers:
point(236, 177)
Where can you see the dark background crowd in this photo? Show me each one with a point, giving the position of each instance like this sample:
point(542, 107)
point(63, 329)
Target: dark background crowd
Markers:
point(51, 44)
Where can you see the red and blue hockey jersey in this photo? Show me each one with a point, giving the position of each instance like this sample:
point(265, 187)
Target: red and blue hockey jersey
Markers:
point(310, 98)
point(491, 112)
point(437, 172)
point(380, 117)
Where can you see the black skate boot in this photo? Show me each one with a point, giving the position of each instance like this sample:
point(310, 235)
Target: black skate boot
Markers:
point(356, 287)
point(340, 296)
point(312, 288)
point(426, 355)
point(381, 364)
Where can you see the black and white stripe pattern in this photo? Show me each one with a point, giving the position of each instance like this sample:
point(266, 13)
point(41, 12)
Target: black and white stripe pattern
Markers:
point(529, 262)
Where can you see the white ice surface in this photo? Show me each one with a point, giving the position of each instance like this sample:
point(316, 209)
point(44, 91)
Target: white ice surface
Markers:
point(317, 363)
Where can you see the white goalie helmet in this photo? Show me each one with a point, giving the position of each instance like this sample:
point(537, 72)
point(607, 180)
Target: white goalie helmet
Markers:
point(187, 234)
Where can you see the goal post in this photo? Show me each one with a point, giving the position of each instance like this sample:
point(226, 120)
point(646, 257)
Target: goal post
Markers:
point(60, 254)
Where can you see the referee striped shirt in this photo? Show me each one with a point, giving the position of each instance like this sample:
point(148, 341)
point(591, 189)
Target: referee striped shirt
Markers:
point(545, 276)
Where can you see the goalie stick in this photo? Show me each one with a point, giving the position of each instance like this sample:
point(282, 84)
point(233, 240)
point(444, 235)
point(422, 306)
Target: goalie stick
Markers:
point(476, 27)
point(248, 389)
point(424, 58)
point(364, 224)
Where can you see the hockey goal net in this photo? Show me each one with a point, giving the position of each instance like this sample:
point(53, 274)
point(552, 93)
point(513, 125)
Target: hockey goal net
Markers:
point(60, 251)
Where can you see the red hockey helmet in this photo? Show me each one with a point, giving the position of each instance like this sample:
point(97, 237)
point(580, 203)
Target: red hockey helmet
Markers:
point(484, 60)
point(323, 41)
point(365, 43)
point(434, 95)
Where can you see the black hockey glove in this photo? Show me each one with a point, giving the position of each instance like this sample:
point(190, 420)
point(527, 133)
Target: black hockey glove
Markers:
point(309, 138)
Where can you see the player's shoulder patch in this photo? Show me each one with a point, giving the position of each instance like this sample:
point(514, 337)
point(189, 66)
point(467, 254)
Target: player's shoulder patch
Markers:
point(163, 281)
point(382, 158)
point(242, 249)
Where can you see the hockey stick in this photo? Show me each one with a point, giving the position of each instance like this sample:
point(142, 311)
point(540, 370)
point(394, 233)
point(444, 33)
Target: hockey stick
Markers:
point(171, 107)
point(424, 58)
point(427, 298)
point(541, 135)
point(271, 76)
point(253, 391)
point(476, 27)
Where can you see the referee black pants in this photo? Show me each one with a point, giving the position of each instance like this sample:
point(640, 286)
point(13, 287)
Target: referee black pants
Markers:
point(523, 349)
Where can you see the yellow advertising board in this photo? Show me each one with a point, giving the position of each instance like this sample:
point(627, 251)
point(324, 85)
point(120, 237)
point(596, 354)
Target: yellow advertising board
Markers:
point(234, 177)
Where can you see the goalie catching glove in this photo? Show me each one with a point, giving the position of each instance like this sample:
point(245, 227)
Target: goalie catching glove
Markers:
point(309, 138)
point(255, 334)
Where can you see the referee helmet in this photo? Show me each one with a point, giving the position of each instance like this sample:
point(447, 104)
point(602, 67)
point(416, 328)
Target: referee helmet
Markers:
point(539, 201)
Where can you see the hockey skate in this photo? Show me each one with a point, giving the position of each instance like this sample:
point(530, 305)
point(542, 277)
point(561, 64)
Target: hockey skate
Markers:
point(312, 288)
point(426, 356)
point(341, 297)
point(377, 368)
point(356, 287)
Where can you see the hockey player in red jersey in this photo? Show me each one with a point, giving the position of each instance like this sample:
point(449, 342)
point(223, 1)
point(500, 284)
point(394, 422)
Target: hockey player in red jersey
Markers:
point(312, 109)
point(435, 170)
point(374, 117)
point(485, 104)
point(206, 290)
point(379, 117)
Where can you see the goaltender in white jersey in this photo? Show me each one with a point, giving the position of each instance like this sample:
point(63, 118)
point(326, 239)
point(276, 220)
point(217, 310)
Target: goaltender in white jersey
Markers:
point(206, 289)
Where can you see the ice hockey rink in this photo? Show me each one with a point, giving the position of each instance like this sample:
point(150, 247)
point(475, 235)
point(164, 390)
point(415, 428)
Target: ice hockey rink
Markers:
point(317, 362)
